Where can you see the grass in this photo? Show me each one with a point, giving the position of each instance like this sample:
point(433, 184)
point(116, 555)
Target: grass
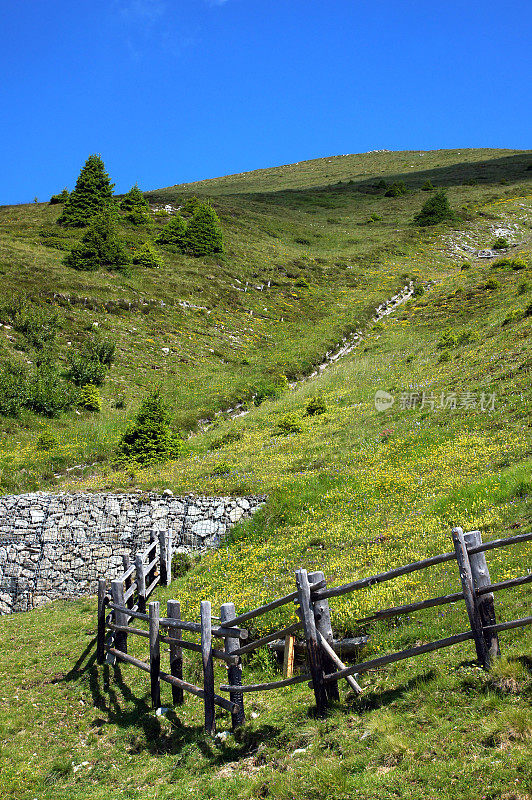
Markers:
point(355, 491)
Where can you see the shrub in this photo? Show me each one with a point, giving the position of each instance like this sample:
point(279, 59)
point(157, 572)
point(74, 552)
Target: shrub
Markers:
point(418, 290)
point(514, 315)
point(46, 441)
point(444, 357)
point(375, 218)
point(516, 263)
point(449, 339)
point(465, 265)
point(436, 209)
point(501, 243)
point(89, 398)
point(134, 199)
point(90, 364)
point(315, 406)
point(13, 388)
point(62, 197)
point(289, 423)
point(271, 390)
point(93, 192)
point(149, 439)
point(172, 235)
point(38, 324)
point(203, 235)
point(396, 189)
point(491, 284)
point(528, 310)
point(148, 257)
point(138, 217)
point(523, 288)
point(427, 186)
point(190, 205)
point(99, 247)
point(302, 283)
point(222, 468)
point(47, 393)
point(181, 564)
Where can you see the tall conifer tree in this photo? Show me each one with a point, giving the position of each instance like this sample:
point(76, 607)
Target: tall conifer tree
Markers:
point(203, 236)
point(93, 193)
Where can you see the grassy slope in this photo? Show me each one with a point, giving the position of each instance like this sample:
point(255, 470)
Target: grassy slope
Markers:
point(350, 500)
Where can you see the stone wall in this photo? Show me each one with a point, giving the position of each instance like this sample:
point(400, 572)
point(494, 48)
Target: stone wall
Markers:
point(58, 545)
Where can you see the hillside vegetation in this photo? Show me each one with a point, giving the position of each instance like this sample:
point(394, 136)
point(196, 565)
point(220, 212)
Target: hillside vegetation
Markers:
point(352, 490)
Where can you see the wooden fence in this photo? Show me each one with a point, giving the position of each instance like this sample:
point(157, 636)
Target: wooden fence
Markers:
point(311, 597)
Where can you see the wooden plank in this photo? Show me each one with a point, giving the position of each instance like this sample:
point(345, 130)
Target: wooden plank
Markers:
point(128, 629)
point(128, 595)
point(196, 648)
point(165, 559)
point(411, 652)
point(288, 655)
point(141, 582)
point(247, 648)
point(266, 687)
point(150, 547)
point(522, 537)
point(173, 610)
point(408, 608)
point(189, 687)
point(496, 587)
point(100, 640)
point(195, 627)
point(155, 654)
point(313, 650)
point(515, 623)
point(126, 580)
point(338, 663)
point(257, 612)
point(208, 666)
point(322, 618)
point(363, 583)
point(129, 571)
point(130, 612)
point(485, 603)
point(152, 586)
point(466, 577)
point(234, 671)
point(129, 659)
point(151, 567)
point(121, 618)
point(340, 646)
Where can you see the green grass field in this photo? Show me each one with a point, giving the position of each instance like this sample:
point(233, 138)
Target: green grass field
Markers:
point(354, 491)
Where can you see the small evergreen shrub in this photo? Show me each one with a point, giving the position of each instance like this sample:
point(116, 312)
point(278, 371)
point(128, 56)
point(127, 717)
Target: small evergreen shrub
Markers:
point(271, 390)
point(427, 186)
point(181, 564)
point(62, 197)
point(289, 423)
point(491, 284)
point(92, 194)
point(221, 468)
point(13, 388)
point(375, 218)
point(89, 398)
point(528, 310)
point(315, 406)
point(444, 357)
point(46, 441)
point(89, 365)
point(172, 236)
point(518, 263)
point(147, 257)
point(38, 324)
point(203, 235)
point(418, 290)
point(99, 248)
point(501, 243)
point(138, 217)
point(396, 189)
point(435, 210)
point(449, 339)
point(149, 439)
point(465, 266)
point(190, 205)
point(134, 199)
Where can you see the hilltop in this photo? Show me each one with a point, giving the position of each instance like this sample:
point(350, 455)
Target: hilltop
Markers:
point(311, 250)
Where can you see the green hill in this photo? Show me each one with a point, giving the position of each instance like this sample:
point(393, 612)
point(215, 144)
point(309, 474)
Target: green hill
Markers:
point(352, 491)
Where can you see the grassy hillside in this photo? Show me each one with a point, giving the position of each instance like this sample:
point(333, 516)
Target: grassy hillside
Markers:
point(352, 490)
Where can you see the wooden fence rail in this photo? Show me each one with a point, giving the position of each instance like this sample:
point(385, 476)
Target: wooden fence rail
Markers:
point(126, 602)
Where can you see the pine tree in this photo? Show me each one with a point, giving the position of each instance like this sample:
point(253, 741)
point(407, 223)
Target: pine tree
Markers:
point(203, 236)
point(99, 247)
point(150, 438)
point(172, 236)
point(436, 209)
point(148, 257)
point(134, 199)
point(62, 197)
point(93, 193)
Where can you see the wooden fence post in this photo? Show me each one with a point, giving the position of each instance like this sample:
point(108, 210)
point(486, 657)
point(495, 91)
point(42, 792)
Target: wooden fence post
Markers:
point(173, 611)
point(468, 589)
point(234, 671)
point(322, 617)
point(150, 577)
point(130, 602)
point(155, 654)
point(100, 642)
point(165, 557)
point(313, 649)
point(141, 583)
point(208, 666)
point(117, 593)
point(288, 655)
point(485, 602)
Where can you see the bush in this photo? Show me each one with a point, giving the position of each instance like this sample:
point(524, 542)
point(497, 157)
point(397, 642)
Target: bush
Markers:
point(523, 287)
point(271, 390)
point(465, 265)
point(444, 357)
point(418, 290)
point(89, 398)
point(47, 393)
point(149, 440)
point(375, 218)
point(181, 564)
point(449, 339)
point(514, 315)
point(62, 197)
point(90, 364)
point(316, 405)
point(172, 236)
point(38, 324)
point(46, 441)
point(99, 247)
point(203, 235)
point(92, 194)
point(528, 310)
point(427, 186)
point(396, 189)
point(289, 423)
point(13, 388)
point(222, 468)
point(138, 217)
point(491, 284)
point(302, 283)
point(435, 210)
point(148, 257)
point(190, 205)
point(501, 243)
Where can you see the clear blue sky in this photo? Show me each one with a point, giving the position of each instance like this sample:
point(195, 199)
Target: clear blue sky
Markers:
point(177, 90)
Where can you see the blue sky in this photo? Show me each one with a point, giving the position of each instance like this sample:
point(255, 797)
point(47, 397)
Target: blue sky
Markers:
point(177, 90)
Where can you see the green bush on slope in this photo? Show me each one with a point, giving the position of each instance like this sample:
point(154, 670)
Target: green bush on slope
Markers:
point(99, 247)
point(149, 439)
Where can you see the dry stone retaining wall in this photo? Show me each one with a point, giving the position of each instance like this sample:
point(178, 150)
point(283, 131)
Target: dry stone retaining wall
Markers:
point(58, 545)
